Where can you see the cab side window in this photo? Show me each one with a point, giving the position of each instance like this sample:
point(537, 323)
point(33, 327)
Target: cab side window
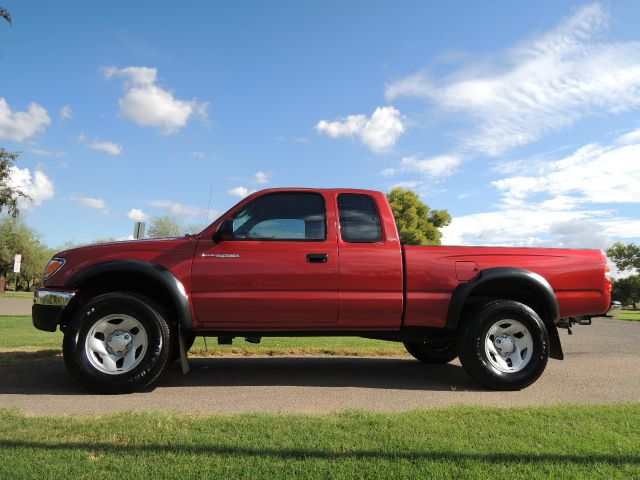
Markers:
point(359, 218)
point(283, 216)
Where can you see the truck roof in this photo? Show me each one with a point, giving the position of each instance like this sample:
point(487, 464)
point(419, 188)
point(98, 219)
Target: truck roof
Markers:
point(288, 189)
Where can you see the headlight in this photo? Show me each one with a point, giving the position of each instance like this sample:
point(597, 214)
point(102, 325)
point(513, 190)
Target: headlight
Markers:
point(53, 266)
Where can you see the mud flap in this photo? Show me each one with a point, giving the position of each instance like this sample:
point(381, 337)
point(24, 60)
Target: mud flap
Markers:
point(555, 347)
point(184, 361)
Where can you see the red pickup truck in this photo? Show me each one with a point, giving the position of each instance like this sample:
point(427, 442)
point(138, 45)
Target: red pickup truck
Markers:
point(315, 262)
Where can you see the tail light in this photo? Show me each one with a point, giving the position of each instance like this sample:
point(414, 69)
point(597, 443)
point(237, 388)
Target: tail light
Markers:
point(608, 285)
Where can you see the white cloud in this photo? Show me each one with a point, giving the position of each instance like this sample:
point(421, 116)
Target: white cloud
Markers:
point(19, 126)
point(408, 184)
point(181, 210)
point(137, 215)
point(593, 174)
point(239, 192)
point(36, 185)
point(380, 132)
point(546, 83)
point(431, 167)
point(531, 226)
point(629, 137)
point(48, 153)
point(261, 178)
point(198, 154)
point(150, 105)
point(65, 113)
point(565, 203)
point(107, 147)
point(97, 203)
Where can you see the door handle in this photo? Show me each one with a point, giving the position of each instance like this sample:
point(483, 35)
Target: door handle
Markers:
point(317, 257)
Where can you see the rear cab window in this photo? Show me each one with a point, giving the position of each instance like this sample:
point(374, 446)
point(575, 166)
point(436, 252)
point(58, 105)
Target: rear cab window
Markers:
point(359, 218)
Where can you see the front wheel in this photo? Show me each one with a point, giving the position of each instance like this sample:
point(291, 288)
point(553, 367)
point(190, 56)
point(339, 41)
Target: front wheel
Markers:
point(504, 345)
point(117, 343)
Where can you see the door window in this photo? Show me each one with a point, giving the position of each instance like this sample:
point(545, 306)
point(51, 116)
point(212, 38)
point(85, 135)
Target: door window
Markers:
point(282, 216)
point(359, 219)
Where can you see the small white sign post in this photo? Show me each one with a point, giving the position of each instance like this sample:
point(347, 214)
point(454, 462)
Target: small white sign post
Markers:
point(17, 263)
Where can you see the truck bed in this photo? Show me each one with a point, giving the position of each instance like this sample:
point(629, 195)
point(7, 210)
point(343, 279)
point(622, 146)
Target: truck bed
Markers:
point(433, 272)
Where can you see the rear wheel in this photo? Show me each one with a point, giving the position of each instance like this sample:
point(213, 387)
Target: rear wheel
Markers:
point(504, 345)
point(433, 352)
point(117, 343)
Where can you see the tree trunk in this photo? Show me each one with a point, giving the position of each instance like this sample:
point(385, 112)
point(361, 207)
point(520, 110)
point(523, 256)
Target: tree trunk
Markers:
point(2, 282)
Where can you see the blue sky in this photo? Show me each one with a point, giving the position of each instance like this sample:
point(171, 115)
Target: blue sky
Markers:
point(520, 118)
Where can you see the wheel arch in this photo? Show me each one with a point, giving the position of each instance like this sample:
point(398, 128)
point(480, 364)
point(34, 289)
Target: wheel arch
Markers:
point(136, 276)
point(510, 283)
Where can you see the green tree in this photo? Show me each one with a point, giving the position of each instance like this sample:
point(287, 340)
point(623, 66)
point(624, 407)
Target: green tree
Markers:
point(8, 195)
point(165, 226)
point(6, 15)
point(17, 237)
point(626, 256)
point(170, 226)
point(627, 290)
point(417, 223)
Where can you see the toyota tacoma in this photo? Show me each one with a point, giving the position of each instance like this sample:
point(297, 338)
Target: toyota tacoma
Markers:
point(315, 262)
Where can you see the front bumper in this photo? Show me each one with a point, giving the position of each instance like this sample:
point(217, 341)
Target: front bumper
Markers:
point(48, 306)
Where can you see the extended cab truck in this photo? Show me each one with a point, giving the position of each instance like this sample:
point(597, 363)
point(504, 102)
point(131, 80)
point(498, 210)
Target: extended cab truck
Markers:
point(314, 262)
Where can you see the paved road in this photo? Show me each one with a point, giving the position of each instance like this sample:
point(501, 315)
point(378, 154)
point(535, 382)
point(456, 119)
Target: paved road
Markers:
point(602, 366)
point(15, 306)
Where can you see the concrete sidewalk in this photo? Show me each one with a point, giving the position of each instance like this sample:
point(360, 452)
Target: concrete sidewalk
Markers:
point(15, 306)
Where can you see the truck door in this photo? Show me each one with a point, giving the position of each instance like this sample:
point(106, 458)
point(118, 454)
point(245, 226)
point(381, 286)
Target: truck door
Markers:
point(279, 268)
point(371, 277)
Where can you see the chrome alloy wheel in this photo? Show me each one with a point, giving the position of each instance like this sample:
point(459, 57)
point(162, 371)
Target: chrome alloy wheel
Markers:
point(116, 344)
point(508, 346)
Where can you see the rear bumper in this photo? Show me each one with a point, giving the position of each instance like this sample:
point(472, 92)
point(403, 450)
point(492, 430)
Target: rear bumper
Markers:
point(48, 306)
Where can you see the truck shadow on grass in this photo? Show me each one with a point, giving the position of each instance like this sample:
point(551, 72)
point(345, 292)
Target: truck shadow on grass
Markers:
point(206, 451)
point(44, 373)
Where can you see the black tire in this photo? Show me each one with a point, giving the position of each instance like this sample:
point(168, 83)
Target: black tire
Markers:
point(432, 352)
point(480, 363)
point(189, 339)
point(159, 335)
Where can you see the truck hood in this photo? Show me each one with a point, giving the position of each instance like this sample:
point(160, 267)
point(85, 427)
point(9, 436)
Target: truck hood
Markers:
point(121, 246)
point(168, 252)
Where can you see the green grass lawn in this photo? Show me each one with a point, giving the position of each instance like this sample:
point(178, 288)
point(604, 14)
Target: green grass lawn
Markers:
point(456, 442)
point(629, 315)
point(18, 334)
point(18, 295)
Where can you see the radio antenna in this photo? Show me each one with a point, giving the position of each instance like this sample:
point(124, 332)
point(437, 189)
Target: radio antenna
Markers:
point(209, 205)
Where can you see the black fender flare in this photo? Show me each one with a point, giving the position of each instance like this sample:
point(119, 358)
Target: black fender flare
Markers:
point(162, 275)
point(538, 285)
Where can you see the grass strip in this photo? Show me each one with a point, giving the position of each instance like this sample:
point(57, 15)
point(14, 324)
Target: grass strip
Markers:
point(18, 334)
point(633, 315)
point(457, 442)
point(10, 294)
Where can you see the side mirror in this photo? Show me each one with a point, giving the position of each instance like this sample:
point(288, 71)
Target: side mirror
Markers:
point(224, 231)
